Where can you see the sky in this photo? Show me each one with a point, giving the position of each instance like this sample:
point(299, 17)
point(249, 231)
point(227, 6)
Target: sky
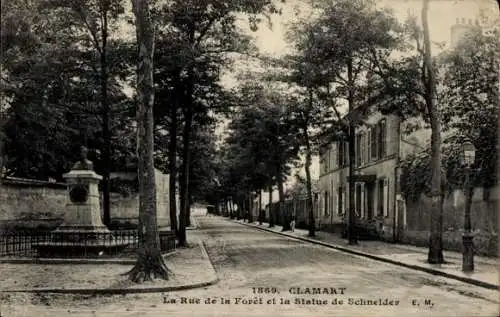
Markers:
point(442, 15)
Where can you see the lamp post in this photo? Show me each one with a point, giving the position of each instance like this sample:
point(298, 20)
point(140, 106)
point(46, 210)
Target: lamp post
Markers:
point(467, 158)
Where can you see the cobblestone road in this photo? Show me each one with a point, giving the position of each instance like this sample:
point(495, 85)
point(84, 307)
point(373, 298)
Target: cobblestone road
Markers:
point(246, 259)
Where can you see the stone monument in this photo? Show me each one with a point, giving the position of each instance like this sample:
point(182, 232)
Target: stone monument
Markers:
point(83, 209)
point(82, 232)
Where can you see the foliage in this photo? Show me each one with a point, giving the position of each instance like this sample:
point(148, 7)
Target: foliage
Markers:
point(261, 142)
point(204, 167)
point(416, 172)
point(50, 77)
point(470, 97)
point(469, 110)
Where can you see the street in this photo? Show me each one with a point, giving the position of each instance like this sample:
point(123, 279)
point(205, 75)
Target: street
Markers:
point(263, 274)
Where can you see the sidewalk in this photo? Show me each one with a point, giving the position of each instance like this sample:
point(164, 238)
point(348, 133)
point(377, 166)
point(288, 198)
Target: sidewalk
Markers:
point(191, 268)
point(485, 273)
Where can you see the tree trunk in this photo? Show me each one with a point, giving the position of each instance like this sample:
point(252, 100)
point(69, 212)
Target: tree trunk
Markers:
point(2, 142)
point(106, 130)
point(310, 205)
point(183, 217)
point(260, 207)
point(250, 209)
point(225, 208)
point(172, 166)
point(149, 263)
point(271, 212)
point(188, 211)
point(351, 228)
point(281, 205)
point(238, 212)
point(241, 209)
point(181, 232)
point(436, 235)
point(186, 151)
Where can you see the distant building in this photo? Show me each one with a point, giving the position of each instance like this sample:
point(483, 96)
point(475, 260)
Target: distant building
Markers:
point(460, 29)
point(378, 151)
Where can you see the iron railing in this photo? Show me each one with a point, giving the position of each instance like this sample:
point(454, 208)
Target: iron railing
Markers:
point(116, 243)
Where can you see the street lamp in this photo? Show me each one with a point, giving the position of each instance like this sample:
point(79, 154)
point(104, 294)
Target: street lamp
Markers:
point(467, 159)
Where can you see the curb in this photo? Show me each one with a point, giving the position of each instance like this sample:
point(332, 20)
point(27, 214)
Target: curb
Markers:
point(124, 261)
point(382, 259)
point(119, 291)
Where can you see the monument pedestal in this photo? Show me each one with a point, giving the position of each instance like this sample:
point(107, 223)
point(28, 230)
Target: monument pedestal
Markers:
point(82, 233)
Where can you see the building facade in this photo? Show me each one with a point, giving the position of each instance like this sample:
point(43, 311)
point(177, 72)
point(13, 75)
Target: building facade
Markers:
point(376, 169)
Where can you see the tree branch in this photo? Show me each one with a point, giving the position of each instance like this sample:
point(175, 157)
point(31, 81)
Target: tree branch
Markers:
point(92, 31)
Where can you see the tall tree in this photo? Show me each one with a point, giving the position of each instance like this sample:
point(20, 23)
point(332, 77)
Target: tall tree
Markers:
point(428, 77)
point(334, 50)
point(150, 263)
point(97, 17)
point(262, 142)
point(209, 32)
point(58, 95)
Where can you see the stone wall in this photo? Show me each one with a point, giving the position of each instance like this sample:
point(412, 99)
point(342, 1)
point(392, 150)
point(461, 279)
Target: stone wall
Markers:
point(31, 204)
point(124, 209)
point(28, 203)
point(484, 216)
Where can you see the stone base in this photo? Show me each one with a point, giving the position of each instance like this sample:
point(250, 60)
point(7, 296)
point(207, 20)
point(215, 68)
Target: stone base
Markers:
point(71, 250)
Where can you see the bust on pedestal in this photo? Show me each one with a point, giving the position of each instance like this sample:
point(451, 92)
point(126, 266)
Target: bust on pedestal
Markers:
point(82, 232)
point(83, 209)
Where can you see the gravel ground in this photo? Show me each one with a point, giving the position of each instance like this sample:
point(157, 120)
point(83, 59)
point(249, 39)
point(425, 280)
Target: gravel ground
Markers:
point(102, 276)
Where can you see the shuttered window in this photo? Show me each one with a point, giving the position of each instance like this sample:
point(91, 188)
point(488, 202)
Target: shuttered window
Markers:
point(362, 149)
point(340, 200)
point(373, 149)
point(368, 145)
point(381, 139)
point(380, 197)
point(358, 150)
point(340, 153)
point(332, 205)
point(326, 202)
point(362, 203)
point(357, 199)
point(386, 197)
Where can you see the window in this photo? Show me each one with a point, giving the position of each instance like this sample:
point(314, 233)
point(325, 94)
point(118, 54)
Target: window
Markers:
point(358, 200)
point(328, 159)
point(362, 204)
point(342, 153)
point(362, 149)
point(326, 200)
point(381, 139)
point(358, 150)
point(340, 207)
point(346, 153)
point(332, 203)
point(368, 146)
point(373, 145)
point(369, 201)
point(380, 197)
point(386, 197)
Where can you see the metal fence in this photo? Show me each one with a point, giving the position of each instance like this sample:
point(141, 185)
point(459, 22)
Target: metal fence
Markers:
point(118, 243)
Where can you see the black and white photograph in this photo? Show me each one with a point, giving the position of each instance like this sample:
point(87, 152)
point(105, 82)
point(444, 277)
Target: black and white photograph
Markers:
point(249, 158)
